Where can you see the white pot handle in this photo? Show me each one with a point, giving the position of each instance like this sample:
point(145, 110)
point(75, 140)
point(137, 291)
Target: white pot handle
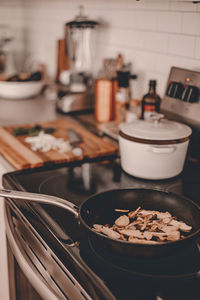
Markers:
point(162, 149)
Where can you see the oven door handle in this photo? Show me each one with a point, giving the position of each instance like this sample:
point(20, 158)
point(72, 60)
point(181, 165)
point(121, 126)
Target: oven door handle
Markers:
point(20, 255)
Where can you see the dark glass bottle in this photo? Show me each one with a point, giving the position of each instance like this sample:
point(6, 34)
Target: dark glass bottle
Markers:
point(151, 101)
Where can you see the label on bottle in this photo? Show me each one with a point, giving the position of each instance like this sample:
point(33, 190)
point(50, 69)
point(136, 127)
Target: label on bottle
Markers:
point(148, 110)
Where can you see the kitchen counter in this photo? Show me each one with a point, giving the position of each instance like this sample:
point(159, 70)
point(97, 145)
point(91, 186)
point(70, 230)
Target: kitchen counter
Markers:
point(35, 110)
point(40, 109)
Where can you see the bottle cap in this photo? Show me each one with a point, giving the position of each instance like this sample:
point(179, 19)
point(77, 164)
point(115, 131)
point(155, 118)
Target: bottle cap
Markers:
point(152, 82)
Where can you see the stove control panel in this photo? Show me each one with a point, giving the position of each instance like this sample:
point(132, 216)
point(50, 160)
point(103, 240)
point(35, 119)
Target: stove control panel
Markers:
point(182, 95)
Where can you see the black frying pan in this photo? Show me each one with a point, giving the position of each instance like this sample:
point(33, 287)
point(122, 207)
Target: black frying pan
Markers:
point(99, 209)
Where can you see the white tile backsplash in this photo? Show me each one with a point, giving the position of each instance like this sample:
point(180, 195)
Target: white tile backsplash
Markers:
point(197, 48)
point(143, 20)
point(157, 42)
point(183, 6)
point(191, 23)
point(169, 21)
point(153, 35)
point(164, 63)
point(182, 45)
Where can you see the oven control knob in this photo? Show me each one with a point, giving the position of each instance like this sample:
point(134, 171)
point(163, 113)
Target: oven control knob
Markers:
point(175, 89)
point(190, 94)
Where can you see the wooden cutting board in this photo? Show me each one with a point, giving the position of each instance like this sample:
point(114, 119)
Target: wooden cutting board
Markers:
point(20, 155)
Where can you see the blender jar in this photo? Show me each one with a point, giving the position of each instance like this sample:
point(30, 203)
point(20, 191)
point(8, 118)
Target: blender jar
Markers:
point(80, 48)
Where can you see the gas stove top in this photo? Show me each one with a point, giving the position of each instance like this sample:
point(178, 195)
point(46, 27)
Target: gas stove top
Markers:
point(107, 276)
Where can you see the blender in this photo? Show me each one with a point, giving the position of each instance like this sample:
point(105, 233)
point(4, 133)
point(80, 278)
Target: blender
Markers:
point(76, 93)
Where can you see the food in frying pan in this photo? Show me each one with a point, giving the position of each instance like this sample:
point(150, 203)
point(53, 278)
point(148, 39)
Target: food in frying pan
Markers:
point(145, 227)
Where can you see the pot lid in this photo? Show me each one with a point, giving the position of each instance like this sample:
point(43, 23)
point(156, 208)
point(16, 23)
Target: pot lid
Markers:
point(158, 128)
point(82, 21)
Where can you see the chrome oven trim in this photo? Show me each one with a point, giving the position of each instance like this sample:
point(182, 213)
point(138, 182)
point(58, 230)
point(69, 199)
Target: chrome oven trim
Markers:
point(40, 265)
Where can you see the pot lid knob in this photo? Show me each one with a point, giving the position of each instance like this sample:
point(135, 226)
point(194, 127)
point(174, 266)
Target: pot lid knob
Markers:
point(157, 117)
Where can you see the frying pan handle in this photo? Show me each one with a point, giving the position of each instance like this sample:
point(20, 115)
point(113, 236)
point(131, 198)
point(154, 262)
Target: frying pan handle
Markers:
point(41, 198)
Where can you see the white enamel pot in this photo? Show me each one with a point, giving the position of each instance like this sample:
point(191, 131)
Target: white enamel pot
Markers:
point(154, 149)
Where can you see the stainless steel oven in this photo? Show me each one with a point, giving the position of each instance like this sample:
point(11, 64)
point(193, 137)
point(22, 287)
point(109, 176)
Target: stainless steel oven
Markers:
point(51, 249)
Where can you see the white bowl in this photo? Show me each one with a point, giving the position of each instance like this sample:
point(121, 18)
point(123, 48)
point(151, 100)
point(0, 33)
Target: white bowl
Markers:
point(20, 90)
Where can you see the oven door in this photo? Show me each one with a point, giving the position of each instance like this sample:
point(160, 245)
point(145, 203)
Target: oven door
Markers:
point(39, 265)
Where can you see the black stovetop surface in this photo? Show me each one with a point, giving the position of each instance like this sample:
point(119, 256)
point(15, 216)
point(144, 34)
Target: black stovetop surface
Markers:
point(174, 277)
